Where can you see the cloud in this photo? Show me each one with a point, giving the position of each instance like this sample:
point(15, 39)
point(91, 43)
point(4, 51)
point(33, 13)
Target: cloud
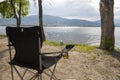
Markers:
point(73, 9)
point(33, 7)
point(78, 9)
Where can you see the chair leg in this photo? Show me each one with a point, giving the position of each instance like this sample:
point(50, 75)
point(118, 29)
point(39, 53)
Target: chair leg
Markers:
point(18, 73)
point(25, 72)
point(34, 77)
point(12, 74)
point(39, 76)
point(53, 72)
point(10, 56)
point(53, 77)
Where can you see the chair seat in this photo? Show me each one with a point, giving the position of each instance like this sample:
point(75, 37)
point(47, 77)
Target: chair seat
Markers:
point(47, 61)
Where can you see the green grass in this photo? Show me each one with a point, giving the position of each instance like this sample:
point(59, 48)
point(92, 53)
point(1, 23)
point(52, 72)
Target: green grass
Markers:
point(78, 47)
point(51, 43)
point(1, 35)
point(84, 48)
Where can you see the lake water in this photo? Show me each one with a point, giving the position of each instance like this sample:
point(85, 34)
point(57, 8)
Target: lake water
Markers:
point(79, 35)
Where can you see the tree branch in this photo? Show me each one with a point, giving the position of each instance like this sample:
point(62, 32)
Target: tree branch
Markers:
point(14, 10)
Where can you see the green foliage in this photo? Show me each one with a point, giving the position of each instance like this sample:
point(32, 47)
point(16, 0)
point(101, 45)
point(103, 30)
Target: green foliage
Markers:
point(7, 11)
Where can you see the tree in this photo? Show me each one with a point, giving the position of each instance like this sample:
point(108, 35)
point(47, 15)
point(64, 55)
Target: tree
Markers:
point(41, 19)
point(14, 9)
point(107, 24)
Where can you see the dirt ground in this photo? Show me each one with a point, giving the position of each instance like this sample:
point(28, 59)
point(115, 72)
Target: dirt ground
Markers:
point(97, 65)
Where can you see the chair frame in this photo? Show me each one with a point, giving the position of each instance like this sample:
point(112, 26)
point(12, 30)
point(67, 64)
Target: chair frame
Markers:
point(37, 74)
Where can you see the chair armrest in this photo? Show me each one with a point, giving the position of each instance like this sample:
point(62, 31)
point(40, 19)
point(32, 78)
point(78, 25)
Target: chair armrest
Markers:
point(9, 45)
point(64, 50)
point(45, 53)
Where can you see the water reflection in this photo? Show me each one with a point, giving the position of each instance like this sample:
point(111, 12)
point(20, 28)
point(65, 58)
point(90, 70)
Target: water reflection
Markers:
point(82, 35)
point(73, 34)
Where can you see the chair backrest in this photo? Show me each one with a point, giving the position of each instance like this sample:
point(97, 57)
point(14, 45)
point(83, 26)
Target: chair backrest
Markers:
point(26, 42)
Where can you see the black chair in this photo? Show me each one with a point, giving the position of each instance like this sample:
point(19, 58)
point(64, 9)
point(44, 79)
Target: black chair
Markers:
point(27, 44)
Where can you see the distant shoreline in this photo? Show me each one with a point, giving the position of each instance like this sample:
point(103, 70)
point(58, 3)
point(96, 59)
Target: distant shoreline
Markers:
point(50, 26)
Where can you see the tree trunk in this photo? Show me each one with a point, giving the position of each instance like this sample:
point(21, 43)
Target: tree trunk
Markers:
point(41, 19)
point(107, 24)
point(18, 21)
point(19, 13)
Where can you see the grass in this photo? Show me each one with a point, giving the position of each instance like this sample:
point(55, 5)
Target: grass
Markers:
point(1, 35)
point(84, 48)
point(51, 43)
point(78, 47)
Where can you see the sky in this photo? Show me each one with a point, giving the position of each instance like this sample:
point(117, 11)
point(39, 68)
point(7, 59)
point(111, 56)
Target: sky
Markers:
point(72, 9)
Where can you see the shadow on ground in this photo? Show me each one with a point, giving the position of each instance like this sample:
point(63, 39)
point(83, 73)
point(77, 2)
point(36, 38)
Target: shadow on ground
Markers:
point(3, 52)
point(116, 54)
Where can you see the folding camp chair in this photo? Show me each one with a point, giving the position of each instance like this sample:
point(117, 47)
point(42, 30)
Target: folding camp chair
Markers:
point(27, 44)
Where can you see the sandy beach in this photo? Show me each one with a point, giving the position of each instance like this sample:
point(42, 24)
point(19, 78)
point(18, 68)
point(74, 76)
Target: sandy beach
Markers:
point(95, 65)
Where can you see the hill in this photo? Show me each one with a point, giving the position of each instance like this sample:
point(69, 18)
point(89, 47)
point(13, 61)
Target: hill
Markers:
point(53, 21)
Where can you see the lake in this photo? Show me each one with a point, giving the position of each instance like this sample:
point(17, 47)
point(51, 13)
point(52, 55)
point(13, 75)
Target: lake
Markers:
point(75, 35)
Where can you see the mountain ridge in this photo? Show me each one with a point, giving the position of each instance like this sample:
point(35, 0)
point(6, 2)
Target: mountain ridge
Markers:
point(49, 20)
